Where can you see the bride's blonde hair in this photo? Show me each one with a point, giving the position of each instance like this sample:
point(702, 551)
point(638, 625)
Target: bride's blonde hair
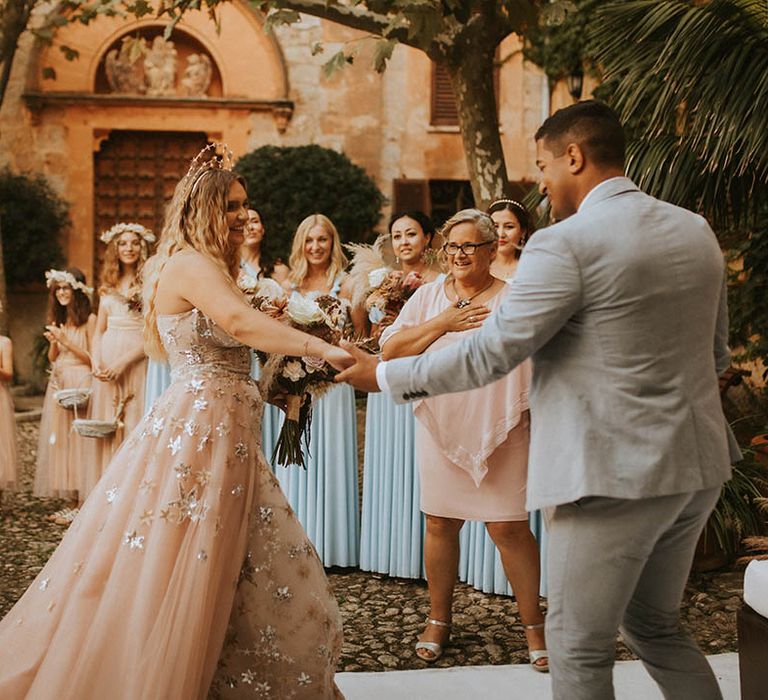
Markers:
point(195, 218)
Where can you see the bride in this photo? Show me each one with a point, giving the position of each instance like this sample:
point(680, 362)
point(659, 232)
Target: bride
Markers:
point(186, 574)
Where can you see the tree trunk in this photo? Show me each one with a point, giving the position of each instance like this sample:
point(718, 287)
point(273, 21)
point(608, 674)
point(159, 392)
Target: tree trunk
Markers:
point(472, 80)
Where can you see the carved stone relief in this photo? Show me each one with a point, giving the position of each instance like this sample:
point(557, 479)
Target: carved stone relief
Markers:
point(152, 70)
point(197, 75)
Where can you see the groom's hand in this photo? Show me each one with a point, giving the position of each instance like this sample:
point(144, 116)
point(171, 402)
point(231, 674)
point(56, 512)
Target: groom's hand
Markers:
point(362, 374)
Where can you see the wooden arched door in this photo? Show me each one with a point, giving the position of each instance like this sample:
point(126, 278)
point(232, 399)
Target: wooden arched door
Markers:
point(135, 175)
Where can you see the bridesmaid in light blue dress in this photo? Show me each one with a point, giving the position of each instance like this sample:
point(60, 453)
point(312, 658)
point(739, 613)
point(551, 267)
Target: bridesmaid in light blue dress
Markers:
point(480, 561)
point(255, 264)
point(324, 496)
point(392, 537)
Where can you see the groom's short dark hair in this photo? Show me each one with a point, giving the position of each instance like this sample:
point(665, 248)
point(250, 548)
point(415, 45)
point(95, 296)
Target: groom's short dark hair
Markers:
point(593, 125)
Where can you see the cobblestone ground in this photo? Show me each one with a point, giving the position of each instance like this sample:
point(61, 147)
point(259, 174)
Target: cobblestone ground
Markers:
point(382, 616)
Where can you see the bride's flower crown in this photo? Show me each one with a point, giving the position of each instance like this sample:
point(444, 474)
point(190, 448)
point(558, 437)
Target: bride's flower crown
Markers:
point(215, 156)
point(54, 277)
point(119, 229)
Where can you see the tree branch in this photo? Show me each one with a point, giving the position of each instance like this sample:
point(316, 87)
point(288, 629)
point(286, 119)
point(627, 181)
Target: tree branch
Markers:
point(354, 16)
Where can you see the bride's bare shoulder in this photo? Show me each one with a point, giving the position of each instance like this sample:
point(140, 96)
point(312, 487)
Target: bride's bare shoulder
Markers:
point(187, 261)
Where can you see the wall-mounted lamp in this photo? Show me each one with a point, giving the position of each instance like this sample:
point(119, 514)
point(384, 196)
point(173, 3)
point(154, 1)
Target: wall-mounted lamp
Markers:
point(575, 83)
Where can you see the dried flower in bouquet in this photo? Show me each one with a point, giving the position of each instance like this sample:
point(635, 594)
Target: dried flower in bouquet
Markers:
point(266, 295)
point(302, 380)
point(135, 303)
point(380, 288)
point(388, 296)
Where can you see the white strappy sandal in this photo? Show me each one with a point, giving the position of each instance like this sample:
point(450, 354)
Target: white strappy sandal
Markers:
point(433, 647)
point(535, 655)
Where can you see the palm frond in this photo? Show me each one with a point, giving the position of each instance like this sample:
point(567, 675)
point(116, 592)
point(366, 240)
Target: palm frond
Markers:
point(692, 80)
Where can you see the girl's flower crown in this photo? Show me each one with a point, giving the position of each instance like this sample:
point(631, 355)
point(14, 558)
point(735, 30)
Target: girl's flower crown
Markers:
point(54, 277)
point(118, 229)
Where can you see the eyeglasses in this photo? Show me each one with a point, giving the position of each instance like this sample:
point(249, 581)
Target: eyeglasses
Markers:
point(466, 248)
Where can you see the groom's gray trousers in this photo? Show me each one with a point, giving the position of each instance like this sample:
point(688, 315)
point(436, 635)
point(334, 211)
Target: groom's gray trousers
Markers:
point(618, 564)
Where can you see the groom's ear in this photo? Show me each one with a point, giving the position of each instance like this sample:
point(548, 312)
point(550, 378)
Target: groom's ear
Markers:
point(574, 158)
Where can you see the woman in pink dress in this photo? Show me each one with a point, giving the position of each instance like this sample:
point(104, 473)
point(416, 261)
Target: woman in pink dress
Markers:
point(186, 575)
point(7, 421)
point(61, 461)
point(473, 445)
point(119, 362)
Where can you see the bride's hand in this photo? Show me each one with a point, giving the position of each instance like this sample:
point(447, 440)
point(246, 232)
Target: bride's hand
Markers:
point(338, 358)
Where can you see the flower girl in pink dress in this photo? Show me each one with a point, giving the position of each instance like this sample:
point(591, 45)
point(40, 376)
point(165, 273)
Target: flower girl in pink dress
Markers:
point(7, 421)
point(70, 324)
point(186, 575)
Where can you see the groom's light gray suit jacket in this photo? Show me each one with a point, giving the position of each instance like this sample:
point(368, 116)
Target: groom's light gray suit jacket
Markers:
point(622, 307)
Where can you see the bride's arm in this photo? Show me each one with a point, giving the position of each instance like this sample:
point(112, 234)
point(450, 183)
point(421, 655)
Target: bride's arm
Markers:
point(200, 282)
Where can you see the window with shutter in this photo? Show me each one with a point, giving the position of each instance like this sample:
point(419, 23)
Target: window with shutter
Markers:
point(443, 110)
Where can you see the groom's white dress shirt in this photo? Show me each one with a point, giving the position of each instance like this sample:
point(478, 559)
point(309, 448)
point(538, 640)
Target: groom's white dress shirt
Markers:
point(622, 308)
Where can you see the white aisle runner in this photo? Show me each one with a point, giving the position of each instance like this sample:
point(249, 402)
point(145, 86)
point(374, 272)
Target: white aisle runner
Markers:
point(516, 682)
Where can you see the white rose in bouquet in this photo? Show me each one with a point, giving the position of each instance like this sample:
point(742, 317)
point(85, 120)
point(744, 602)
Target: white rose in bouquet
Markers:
point(247, 282)
point(267, 287)
point(303, 310)
point(294, 371)
point(377, 276)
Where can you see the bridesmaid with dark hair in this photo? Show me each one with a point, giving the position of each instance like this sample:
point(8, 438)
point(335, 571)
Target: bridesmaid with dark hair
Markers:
point(257, 265)
point(61, 452)
point(392, 532)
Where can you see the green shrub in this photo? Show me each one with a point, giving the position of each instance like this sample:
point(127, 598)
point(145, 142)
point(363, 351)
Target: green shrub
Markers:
point(287, 184)
point(32, 217)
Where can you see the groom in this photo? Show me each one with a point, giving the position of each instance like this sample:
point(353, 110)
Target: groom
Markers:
point(621, 305)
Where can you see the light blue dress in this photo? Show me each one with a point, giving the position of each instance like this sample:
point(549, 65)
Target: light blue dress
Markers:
point(158, 380)
point(392, 533)
point(272, 417)
point(324, 496)
point(392, 539)
point(480, 561)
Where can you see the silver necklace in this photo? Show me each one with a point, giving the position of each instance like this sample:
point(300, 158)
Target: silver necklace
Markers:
point(463, 303)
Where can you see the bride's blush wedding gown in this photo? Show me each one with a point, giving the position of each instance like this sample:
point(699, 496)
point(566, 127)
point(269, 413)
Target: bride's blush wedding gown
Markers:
point(186, 574)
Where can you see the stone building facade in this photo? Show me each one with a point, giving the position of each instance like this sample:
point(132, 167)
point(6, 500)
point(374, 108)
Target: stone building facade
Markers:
point(113, 135)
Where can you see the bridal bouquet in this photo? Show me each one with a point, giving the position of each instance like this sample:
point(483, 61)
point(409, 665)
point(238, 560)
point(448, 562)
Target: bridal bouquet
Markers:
point(390, 291)
point(302, 380)
point(380, 288)
point(263, 294)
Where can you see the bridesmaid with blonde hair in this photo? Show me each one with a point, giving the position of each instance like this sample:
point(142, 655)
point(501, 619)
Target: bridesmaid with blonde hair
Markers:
point(119, 362)
point(325, 494)
point(7, 422)
point(61, 453)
